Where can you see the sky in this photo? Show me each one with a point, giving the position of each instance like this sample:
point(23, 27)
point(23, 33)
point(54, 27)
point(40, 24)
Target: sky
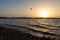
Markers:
point(20, 8)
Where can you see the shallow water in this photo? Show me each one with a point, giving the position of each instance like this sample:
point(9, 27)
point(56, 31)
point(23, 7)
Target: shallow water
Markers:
point(32, 26)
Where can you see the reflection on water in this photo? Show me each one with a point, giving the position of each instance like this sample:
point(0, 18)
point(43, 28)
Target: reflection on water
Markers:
point(36, 27)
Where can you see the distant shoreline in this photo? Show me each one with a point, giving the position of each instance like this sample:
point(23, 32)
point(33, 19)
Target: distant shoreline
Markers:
point(25, 18)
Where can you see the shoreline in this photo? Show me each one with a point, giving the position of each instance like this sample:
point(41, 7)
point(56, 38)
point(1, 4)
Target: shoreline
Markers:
point(12, 34)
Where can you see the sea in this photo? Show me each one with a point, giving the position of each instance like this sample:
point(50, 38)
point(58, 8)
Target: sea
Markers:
point(35, 27)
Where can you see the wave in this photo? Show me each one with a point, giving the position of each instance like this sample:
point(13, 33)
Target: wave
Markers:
point(51, 28)
point(28, 29)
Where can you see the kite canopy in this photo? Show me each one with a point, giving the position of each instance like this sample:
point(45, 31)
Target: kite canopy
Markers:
point(30, 8)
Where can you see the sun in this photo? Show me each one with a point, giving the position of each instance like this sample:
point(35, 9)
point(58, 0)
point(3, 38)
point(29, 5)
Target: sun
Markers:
point(43, 14)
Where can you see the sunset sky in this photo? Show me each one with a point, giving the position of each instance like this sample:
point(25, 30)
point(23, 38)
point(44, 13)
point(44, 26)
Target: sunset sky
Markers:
point(18, 8)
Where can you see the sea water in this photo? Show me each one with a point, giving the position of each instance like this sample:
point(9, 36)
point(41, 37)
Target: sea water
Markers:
point(35, 26)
